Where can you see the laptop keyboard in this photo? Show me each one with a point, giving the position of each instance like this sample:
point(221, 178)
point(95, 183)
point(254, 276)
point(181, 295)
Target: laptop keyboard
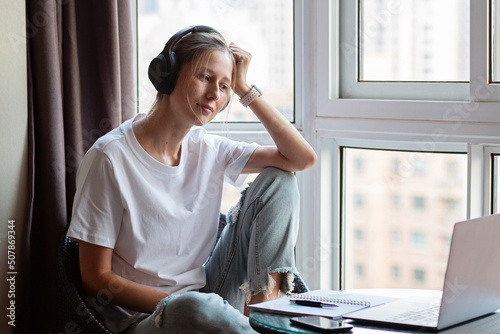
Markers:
point(427, 315)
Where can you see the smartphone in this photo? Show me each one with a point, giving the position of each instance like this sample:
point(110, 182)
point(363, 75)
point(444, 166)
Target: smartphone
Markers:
point(322, 324)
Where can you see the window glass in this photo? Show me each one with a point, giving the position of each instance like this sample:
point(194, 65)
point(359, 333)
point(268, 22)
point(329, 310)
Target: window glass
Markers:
point(262, 27)
point(406, 219)
point(414, 40)
point(231, 195)
point(495, 42)
point(395, 272)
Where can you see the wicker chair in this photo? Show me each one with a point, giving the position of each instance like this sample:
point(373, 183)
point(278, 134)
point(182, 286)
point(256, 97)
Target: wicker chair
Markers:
point(74, 308)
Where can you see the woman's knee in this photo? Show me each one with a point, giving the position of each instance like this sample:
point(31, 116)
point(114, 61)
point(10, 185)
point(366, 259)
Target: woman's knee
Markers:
point(193, 303)
point(189, 312)
point(283, 181)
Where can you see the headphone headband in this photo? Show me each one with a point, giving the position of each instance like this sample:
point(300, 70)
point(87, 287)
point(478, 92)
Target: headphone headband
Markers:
point(164, 68)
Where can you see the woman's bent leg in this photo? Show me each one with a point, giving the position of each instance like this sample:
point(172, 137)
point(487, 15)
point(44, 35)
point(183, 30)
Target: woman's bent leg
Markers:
point(258, 241)
point(193, 312)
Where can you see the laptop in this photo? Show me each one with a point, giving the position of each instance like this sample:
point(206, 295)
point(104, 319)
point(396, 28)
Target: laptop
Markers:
point(471, 286)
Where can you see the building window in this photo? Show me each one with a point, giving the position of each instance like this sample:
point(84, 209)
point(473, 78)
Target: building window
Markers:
point(360, 271)
point(451, 204)
point(452, 168)
point(359, 200)
point(396, 237)
point(419, 240)
point(396, 201)
point(419, 202)
point(359, 165)
point(419, 276)
point(359, 235)
point(395, 272)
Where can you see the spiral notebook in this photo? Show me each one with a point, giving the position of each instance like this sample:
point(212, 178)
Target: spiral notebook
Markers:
point(343, 303)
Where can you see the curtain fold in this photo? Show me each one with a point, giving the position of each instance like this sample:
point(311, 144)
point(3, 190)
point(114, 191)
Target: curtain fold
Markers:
point(81, 84)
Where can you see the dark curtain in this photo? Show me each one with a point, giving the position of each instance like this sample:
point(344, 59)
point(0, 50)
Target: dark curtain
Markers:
point(81, 84)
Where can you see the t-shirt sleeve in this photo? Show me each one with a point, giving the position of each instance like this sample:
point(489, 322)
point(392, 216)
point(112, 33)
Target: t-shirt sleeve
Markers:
point(97, 207)
point(236, 155)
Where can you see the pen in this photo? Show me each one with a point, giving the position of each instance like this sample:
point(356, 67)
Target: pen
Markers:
point(312, 303)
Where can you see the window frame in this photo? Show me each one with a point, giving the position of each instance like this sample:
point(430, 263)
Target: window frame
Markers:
point(469, 126)
point(350, 60)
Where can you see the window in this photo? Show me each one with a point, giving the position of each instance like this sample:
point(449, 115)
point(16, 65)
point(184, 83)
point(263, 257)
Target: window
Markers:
point(359, 165)
point(412, 41)
point(360, 271)
point(419, 275)
point(419, 240)
point(359, 236)
point(421, 223)
point(371, 102)
point(395, 272)
point(391, 50)
point(359, 200)
point(264, 28)
point(419, 203)
point(396, 201)
point(396, 237)
point(452, 168)
point(405, 49)
point(450, 204)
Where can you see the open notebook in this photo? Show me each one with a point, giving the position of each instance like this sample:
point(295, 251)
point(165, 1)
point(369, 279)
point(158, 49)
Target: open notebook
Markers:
point(344, 302)
point(471, 287)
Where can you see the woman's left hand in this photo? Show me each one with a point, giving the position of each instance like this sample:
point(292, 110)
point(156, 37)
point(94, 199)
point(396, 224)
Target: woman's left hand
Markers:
point(242, 59)
point(292, 152)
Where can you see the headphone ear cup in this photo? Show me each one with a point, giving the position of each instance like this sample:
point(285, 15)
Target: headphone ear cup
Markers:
point(173, 70)
point(158, 72)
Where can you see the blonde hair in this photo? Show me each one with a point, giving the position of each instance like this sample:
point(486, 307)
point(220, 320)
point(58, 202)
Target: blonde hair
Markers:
point(195, 49)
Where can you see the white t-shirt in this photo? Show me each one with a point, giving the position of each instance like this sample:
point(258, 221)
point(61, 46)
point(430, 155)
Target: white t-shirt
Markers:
point(160, 220)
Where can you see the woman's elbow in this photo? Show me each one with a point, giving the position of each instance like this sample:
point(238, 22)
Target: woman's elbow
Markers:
point(306, 162)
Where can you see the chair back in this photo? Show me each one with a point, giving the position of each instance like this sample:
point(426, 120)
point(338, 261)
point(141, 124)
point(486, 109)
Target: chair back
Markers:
point(74, 310)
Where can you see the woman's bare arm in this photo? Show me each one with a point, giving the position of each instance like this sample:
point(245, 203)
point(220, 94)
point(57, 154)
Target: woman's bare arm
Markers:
point(292, 152)
point(100, 282)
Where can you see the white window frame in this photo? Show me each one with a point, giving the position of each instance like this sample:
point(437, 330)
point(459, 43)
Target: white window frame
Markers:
point(349, 59)
point(471, 126)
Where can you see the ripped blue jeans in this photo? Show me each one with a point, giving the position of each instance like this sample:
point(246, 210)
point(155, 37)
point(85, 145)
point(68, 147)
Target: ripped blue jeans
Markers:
point(258, 240)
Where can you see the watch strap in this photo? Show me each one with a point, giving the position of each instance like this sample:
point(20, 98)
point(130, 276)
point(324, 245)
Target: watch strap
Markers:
point(254, 93)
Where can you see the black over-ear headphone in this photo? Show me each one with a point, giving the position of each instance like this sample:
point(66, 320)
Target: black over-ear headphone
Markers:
point(163, 69)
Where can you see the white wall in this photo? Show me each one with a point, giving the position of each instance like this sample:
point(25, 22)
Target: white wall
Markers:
point(13, 139)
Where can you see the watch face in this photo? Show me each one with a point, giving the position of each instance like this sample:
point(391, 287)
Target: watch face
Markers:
point(257, 89)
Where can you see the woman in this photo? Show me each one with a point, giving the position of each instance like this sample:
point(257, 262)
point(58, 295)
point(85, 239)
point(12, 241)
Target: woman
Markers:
point(148, 197)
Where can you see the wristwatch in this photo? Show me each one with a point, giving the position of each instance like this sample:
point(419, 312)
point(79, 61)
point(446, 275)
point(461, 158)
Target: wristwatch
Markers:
point(254, 93)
